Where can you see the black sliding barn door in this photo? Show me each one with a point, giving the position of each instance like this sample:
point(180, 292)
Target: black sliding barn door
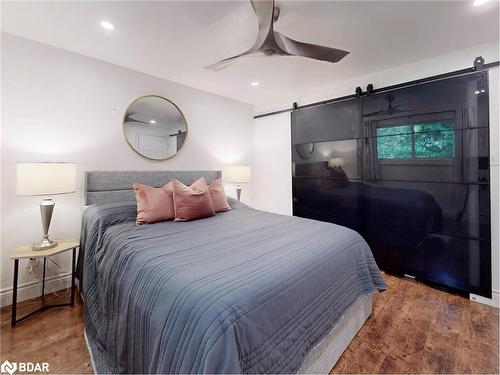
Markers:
point(409, 170)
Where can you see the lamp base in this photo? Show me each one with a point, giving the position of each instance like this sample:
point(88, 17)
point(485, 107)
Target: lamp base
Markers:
point(44, 244)
point(46, 209)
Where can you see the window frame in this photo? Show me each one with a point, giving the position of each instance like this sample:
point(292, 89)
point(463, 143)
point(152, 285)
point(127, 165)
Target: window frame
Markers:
point(447, 117)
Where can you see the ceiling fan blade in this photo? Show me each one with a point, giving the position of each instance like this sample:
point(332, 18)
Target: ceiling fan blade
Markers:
point(374, 113)
point(226, 62)
point(222, 64)
point(131, 119)
point(394, 110)
point(312, 51)
point(264, 12)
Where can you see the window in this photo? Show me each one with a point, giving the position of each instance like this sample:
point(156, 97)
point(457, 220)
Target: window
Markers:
point(434, 140)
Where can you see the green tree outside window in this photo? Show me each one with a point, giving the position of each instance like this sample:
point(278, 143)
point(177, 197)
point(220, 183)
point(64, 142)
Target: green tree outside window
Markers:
point(418, 141)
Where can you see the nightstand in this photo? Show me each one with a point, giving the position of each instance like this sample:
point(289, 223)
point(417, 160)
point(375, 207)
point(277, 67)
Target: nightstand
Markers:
point(26, 252)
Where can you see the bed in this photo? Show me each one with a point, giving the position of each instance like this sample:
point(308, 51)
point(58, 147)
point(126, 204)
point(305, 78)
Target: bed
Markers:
point(245, 291)
point(402, 208)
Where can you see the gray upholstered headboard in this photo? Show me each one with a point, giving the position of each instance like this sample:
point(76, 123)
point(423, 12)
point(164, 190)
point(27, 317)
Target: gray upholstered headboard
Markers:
point(116, 186)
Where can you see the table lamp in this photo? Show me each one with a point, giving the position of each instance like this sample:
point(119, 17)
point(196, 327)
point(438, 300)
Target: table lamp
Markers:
point(336, 163)
point(238, 174)
point(46, 179)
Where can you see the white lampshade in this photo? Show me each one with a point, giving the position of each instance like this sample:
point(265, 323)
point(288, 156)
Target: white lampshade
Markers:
point(237, 173)
point(47, 178)
point(336, 162)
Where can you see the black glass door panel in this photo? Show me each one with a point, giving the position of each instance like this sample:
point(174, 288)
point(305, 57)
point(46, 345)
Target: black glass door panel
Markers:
point(456, 262)
point(326, 195)
point(462, 156)
point(424, 153)
point(454, 94)
point(328, 216)
point(332, 159)
point(448, 209)
point(408, 170)
point(451, 209)
point(329, 122)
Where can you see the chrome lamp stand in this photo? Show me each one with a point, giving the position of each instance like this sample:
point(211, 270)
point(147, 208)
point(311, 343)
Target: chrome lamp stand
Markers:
point(238, 191)
point(46, 209)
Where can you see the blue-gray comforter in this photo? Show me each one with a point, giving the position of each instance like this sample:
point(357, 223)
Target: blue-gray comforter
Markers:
point(245, 291)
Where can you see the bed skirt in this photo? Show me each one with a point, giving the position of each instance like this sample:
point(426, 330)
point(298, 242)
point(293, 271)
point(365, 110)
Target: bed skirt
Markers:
point(327, 352)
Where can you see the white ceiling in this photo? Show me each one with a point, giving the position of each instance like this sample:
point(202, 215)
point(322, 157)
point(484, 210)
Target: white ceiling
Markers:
point(176, 39)
point(156, 108)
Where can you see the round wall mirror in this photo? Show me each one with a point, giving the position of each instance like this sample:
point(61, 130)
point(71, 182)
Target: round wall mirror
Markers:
point(154, 127)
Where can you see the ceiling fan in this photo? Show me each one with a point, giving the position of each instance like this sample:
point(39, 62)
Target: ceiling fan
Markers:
point(129, 117)
point(391, 109)
point(273, 43)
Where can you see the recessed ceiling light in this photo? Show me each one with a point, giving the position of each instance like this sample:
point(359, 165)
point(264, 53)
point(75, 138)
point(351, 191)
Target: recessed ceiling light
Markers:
point(480, 2)
point(107, 25)
point(255, 83)
point(152, 121)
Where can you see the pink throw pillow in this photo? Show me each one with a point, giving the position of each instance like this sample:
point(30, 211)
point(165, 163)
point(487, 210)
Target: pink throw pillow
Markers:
point(192, 202)
point(218, 196)
point(154, 204)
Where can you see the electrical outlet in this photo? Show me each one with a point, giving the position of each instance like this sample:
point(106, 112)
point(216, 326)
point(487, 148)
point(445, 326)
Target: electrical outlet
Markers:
point(32, 263)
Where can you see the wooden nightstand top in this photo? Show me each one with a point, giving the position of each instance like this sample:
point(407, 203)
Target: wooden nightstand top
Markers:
point(27, 252)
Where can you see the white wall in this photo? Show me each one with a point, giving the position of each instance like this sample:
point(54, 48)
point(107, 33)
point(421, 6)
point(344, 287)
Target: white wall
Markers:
point(494, 93)
point(268, 162)
point(62, 106)
point(272, 173)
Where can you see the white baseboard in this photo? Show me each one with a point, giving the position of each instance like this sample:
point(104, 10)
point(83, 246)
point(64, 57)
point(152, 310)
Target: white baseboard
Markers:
point(33, 289)
point(494, 301)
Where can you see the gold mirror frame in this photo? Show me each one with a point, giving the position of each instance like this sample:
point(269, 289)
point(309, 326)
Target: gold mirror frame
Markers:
point(167, 100)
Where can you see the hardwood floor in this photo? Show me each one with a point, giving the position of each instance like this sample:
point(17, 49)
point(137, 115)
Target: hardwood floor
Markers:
point(417, 329)
point(54, 336)
point(413, 329)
